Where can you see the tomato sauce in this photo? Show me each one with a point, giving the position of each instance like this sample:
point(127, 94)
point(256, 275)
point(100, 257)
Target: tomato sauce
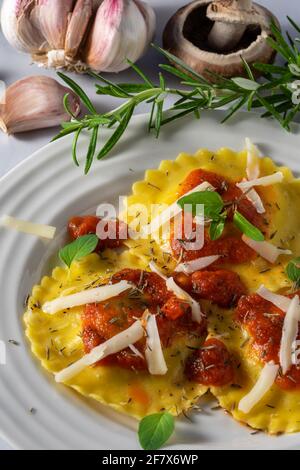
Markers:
point(264, 322)
point(211, 365)
point(231, 249)
point(230, 246)
point(220, 286)
point(104, 320)
point(115, 230)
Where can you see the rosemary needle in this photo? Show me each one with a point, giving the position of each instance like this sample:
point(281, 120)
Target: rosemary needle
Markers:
point(277, 95)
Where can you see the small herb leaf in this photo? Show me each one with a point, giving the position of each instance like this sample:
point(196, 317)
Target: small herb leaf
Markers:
point(246, 84)
point(155, 430)
point(212, 202)
point(216, 229)
point(293, 270)
point(79, 248)
point(247, 228)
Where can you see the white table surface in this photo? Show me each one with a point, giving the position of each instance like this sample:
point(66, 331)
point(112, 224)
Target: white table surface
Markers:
point(14, 66)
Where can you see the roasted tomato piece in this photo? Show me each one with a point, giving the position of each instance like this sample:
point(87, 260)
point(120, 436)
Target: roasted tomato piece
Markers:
point(264, 323)
point(104, 320)
point(244, 206)
point(231, 249)
point(199, 176)
point(212, 365)
point(175, 308)
point(222, 287)
point(230, 246)
point(114, 231)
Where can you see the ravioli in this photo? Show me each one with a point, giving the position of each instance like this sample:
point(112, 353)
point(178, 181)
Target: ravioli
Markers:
point(56, 341)
point(162, 186)
point(278, 411)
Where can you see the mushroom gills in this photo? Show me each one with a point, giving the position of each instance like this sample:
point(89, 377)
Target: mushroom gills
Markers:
point(212, 36)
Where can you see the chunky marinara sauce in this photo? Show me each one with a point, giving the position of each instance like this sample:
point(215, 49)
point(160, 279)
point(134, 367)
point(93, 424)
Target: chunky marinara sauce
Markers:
point(212, 365)
point(264, 322)
point(104, 320)
point(230, 246)
point(116, 231)
point(220, 286)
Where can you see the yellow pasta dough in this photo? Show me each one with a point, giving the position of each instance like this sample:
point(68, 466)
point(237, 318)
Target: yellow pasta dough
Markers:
point(161, 187)
point(56, 342)
point(279, 410)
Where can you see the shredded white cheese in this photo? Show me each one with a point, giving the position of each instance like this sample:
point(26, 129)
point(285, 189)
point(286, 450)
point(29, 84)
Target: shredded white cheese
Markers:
point(135, 351)
point(154, 353)
point(265, 381)
point(173, 210)
point(279, 301)
point(39, 230)
point(99, 294)
point(289, 334)
point(264, 181)
point(265, 249)
point(114, 345)
point(252, 169)
point(155, 269)
point(181, 294)
point(256, 201)
point(196, 265)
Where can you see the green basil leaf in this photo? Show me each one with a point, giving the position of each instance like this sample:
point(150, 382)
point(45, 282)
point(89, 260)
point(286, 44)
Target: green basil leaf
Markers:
point(79, 248)
point(212, 202)
point(155, 430)
point(293, 270)
point(245, 83)
point(216, 229)
point(247, 228)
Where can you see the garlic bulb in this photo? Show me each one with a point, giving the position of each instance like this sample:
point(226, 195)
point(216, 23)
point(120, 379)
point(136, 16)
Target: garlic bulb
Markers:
point(79, 34)
point(35, 103)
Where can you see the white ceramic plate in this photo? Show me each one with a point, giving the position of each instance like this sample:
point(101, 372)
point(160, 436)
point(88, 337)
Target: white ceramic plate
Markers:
point(48, 188)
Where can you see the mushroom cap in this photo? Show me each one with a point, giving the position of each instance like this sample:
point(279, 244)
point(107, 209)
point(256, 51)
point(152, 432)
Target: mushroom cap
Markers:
point(185, 36)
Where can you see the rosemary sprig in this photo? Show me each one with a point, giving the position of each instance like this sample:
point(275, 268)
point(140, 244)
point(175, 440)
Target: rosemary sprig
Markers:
point(277, 95)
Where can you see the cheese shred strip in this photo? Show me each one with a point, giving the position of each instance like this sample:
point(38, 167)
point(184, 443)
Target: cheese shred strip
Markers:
point(252, 169)
point(171, 211)
point(264, 181)
point(154, 353)
point(39, 230)
point(265, 249)
point(99, 294)
point(181, 294)
point(196, 265)
point(265, 381)
point(289, 334)
point(114, 345)
point(278, 300)
point(155, 269)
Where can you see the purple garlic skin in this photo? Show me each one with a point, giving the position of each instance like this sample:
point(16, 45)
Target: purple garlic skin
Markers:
point(79, 34)
point(36, 102)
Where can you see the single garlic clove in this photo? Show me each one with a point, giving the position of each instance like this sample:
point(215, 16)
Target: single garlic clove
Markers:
point(17, 27)
point(119, 33)
point(77, 27)
point(51, 17)
point(35, 103)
